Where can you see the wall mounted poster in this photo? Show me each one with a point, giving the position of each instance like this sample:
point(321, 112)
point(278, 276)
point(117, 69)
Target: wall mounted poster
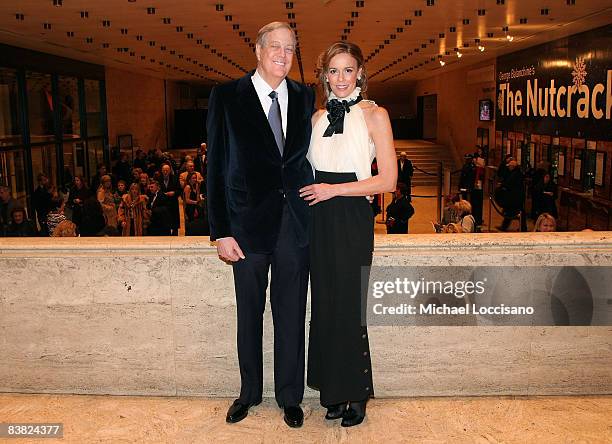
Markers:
point(577, 168)
point(559, 88)
point(600, 163)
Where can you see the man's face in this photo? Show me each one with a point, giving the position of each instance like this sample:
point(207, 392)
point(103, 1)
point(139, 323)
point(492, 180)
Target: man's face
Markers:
point(102, 170)
point(4, 194)
point(18, 217)
point(44, 181)
point(190, 167)
point(153, 187)
point(166, 170)
point(276, 55)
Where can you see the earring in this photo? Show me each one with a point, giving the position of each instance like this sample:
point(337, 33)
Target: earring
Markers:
point(359, 78)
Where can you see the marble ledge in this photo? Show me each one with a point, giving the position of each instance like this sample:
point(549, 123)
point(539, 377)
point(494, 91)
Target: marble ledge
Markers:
point(600, 241)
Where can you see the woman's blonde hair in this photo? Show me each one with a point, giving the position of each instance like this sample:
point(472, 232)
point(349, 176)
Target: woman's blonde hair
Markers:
point(341, 48)
point(543, 217)
point(464, 207)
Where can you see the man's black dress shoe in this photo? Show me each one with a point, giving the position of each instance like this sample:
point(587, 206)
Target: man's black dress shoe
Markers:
point(335, 411)
point(354, 414)
point(294, 417)
point(238, 411)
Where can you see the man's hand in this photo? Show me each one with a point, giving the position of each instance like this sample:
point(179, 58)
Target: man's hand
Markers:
point(228, 250)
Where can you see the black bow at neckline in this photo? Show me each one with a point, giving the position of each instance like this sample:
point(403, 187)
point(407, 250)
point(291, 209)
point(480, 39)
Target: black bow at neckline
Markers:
point(336, 110)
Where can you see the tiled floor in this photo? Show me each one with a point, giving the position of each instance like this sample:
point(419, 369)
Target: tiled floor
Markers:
point(124, 419)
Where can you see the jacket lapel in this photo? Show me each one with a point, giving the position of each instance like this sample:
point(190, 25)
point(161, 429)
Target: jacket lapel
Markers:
point(294, 115)
point(253, 112)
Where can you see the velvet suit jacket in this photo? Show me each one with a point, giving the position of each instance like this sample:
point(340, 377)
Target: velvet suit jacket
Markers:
point(247, 179)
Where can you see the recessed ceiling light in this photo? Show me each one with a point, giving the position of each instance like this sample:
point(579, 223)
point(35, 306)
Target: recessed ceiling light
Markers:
point(57, 3)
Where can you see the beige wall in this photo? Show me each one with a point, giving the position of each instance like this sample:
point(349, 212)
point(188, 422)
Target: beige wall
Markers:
point(135, 104)
point(457, 104)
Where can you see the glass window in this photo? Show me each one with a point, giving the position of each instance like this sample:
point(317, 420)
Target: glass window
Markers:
point(12, 174)
point(96, 155)
point(10, 128)
point(44, 161)
point(68, 91)
point(40, 107)
point(93, 108)
point(74, 160)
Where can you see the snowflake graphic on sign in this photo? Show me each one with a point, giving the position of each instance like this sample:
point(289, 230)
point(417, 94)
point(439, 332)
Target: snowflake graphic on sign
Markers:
point(579, 73)
point(500, 102)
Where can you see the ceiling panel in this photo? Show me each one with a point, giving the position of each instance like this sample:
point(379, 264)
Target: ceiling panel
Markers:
point(211, 41)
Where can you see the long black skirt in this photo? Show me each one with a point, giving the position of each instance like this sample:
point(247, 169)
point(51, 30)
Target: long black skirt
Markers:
point(341, 243)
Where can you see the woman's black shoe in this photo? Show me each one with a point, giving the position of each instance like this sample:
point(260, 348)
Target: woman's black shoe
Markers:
point(354, 414)
point(335, 411)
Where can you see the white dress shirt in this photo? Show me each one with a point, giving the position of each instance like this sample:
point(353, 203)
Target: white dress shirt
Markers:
point(263, 89)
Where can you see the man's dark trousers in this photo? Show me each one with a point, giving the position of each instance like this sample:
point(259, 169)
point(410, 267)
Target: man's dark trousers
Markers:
point(288, 289)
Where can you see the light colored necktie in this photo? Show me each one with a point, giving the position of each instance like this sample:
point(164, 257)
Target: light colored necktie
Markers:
point(276, 123)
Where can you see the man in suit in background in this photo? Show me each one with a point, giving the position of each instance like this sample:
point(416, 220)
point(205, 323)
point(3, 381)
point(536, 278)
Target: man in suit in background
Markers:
point(405, 171)
point(399, 211)
point(169, 185)
point(160, 215)
point(259, 130)
point(201, 161)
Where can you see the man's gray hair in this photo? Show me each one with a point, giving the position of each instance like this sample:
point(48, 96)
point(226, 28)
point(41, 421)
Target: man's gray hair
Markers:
point(264, 31)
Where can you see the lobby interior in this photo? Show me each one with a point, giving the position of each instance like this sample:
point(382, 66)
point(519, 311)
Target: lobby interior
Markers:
point(120, 339)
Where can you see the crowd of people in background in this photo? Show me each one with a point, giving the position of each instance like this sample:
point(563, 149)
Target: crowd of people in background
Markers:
point(145, 197)
point(136, 198)
point(515, 184)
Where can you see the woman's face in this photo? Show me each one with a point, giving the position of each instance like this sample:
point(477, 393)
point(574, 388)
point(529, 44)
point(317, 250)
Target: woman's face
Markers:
point(77, 182)
point(193, 180)
point(121, 187)
point(547, 226)
point(342, 74)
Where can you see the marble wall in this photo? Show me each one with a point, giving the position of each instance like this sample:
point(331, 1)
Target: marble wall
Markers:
point(156, 316)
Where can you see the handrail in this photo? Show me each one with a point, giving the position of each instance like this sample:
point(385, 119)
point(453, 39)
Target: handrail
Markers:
point(426, 172)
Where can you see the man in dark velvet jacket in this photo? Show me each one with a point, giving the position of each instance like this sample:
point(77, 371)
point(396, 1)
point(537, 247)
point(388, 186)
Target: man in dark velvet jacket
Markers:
point(258, 135)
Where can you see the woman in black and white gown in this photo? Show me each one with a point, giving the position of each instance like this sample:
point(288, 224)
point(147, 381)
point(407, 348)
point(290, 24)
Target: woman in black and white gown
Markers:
point(346, 137)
